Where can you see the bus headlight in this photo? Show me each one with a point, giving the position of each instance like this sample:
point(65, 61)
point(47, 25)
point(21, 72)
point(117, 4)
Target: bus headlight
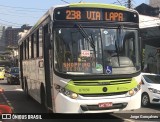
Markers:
point(131, 92)
point(134, 90)
point(66, 92)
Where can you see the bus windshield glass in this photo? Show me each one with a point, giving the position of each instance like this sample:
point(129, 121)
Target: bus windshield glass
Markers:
point(96, 51)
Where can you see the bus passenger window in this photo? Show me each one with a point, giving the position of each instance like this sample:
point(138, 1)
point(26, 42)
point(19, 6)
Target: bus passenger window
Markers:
point(40, 43)
point(37, 40)
point(35, 45)
point(32, 46)
point(30, 53)
point(27, 48)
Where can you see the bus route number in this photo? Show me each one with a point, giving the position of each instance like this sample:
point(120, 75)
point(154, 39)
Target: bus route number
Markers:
point(73, 14)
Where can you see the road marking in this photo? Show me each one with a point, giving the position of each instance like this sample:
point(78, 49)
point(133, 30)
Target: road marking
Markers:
point(7, 101)
point(13, 111)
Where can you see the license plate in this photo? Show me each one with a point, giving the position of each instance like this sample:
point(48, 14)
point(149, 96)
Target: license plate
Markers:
point(105, 105)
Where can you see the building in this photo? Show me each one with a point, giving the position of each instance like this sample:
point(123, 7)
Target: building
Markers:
point(150, 37)
point(154, 3)
point(11, 35)
point(148, 10)
point(2, 38)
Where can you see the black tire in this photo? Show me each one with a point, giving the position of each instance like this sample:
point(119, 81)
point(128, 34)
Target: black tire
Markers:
point(11, 81)
point(8, 81)
point(145, 101)
point(26, 90)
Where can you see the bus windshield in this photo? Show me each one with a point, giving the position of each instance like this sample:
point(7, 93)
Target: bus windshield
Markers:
point(96, 51)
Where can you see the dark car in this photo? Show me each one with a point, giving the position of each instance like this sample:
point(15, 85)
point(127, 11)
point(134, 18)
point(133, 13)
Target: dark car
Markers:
point(12, 75)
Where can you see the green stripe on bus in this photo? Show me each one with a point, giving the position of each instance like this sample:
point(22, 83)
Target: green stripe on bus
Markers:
point(98, 5)
point(93, 89)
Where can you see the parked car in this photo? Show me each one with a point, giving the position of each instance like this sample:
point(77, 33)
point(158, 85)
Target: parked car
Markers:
point(2, 72)
point(150, 89)
point(12, 75)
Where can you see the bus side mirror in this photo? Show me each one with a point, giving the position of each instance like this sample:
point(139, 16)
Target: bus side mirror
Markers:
point(47, 41)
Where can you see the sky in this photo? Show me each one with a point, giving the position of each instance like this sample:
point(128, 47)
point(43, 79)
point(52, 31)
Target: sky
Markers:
point(16, 13)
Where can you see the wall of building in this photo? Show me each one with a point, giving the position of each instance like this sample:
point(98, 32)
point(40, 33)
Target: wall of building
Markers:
point(2, 38)
point(152, 59)
point(154, 3)
point(11, 35)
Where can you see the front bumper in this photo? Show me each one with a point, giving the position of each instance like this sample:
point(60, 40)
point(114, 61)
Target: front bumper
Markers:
point(154, 98)
point(65, 104)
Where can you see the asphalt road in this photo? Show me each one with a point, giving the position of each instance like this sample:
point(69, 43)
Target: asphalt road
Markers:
point(20, 104)
point(15, 97)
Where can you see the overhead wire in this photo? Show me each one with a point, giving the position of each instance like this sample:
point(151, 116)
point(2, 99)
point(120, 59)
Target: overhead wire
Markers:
point(17, 15)
point(124, 3)
point(31, 10)
point(64, 1)
point(119, 2)
point(17, 12)
point(20, 9)
point(10, 22)
point(23, 8)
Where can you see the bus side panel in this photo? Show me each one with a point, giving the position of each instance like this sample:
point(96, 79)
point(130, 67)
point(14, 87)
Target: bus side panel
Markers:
point(33, 71)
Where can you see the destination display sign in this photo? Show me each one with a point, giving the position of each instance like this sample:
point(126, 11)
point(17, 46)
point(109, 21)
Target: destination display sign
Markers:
point(98, 14)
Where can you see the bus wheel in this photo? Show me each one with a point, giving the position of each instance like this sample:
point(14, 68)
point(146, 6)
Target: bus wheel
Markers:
point(43, 99)
point(145, 100)
point(26, 90)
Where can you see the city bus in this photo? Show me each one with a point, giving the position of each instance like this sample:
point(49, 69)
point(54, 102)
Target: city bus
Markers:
point(83, 58)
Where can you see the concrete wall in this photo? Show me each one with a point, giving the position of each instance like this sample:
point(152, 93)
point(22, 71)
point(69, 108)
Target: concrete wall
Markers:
point(154, 3)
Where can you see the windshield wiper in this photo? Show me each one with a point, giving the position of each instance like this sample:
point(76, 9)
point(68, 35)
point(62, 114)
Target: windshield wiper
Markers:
point(85, 35)
point(120, 29)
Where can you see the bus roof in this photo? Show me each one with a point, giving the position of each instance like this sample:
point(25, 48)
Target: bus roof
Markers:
point(148, 21)
point(90, 5)
point(97, 5)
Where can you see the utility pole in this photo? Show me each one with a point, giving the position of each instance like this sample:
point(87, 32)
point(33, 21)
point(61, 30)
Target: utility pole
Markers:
point(129, 3)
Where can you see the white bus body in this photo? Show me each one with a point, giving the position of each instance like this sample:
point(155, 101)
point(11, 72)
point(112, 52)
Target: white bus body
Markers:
point(85, 87)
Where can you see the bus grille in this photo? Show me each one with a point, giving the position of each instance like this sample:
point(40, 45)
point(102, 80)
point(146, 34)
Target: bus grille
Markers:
point(98, 83)
point(104, 94)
